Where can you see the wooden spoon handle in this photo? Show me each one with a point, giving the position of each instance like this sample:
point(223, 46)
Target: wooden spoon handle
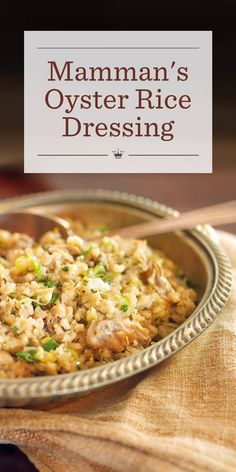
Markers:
point(220, 214)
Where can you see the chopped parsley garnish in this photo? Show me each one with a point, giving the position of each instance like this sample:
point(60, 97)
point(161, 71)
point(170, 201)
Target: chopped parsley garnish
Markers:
point(27, 356)
point(14, 328)
point(50, 345)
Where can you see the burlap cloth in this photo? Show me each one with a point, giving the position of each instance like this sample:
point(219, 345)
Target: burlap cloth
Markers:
point(179, 416)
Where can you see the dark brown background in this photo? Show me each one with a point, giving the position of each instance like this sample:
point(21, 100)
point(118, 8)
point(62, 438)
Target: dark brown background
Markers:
point(180, 191)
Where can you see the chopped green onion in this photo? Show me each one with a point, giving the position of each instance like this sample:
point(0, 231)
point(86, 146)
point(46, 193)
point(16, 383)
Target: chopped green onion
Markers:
point(108, 243)
point(27, 263)
point(47, 247)
point(27, 356)
point(54, 298)
point(52, 283)
point(48, 283)
point(37, 266)
point(190, 283)
point(44, 306)
point(109, 278)
point(103, 229)
point(86, 251)
point(43, 280)
point(124, 307)
point(50, 345)
point(14, 328)
point(36, 304)
point(99, 270)
point(65, 269)
point(41, 305)
point(73, 353)
point(84, 322)
point(78, 366)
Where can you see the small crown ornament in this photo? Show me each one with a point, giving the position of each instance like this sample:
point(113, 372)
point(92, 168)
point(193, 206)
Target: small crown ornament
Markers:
point(118, 154)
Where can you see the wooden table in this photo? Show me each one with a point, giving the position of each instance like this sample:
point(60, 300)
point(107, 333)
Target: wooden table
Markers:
point(180, 191)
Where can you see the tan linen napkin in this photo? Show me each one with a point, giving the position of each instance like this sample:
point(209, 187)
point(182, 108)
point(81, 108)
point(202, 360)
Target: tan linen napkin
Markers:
point(179, 416)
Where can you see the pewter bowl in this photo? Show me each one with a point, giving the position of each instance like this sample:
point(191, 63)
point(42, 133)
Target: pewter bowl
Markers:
point(196, 251)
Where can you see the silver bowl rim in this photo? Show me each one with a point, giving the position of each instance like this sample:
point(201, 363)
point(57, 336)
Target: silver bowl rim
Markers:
point(104, 375)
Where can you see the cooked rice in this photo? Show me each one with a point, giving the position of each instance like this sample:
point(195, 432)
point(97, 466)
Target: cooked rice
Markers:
point(68, 305)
